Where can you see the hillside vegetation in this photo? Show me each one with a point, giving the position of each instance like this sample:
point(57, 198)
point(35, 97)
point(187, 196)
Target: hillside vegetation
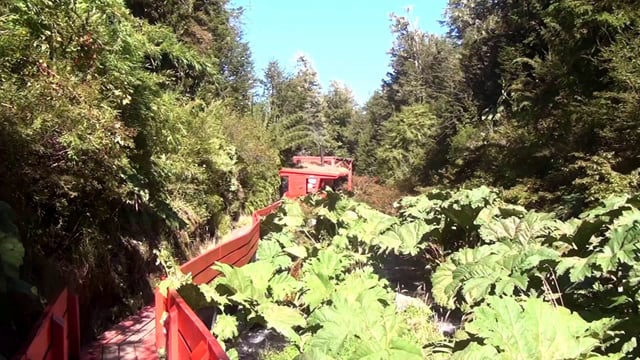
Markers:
point(537, 97)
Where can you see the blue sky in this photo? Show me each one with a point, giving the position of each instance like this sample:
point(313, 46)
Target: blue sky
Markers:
point(347, 40)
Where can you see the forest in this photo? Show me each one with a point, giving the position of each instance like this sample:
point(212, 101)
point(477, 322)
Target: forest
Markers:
point(508, 146)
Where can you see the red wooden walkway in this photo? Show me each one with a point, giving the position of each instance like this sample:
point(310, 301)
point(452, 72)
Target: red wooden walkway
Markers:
point(133, 338)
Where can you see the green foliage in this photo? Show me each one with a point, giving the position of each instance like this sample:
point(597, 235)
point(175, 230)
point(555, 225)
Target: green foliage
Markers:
point(586, 264)
point(374, 328)
point(369, 130)
point(255, 287)
point(602, 263)
point(175, 278)
point(551, 332)
point(489, 269)
point(407, 141)
point(116, 134)
point(531, 285)
point(423, 328)
point(11, 251)
point(293, 109)
point(226, 327)
point(450, 215)
point(596, 180)
point(340, 114)
point(12, 285)
point(405, 238)
point(538, 97)
point(258, 159)
point(288, 353)
point(212, 29)
point(318, 290)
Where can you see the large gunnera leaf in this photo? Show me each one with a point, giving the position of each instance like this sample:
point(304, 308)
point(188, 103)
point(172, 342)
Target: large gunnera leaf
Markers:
point(505, 328)
point(226, 327)
point(405, 238)
point(464, 206)
point(533, 227)
point(359, 327)
point(272, 251)
point(247, 283)
point(283, 319)
point(496, 269)
point(293, 217)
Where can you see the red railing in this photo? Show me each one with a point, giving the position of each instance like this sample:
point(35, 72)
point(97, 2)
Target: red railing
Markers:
point(237, 251)
point(186, 335)
point(269, 209)
point(57, 335)
point(178, 328)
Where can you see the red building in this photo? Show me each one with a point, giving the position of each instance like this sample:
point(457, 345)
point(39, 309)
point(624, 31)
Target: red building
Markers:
point(314, 173)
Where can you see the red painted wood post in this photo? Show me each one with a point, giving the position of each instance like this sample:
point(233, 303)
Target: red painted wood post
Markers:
point(73, 326)
point(58, 338)
point(160, 308)
point(201, 351)
point(173, 335)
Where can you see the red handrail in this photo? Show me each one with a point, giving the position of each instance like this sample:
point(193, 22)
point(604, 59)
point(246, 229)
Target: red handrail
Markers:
point(237, 251)
point(186, 336)
point(57, 335)
point(174, 318)
point(178, 328)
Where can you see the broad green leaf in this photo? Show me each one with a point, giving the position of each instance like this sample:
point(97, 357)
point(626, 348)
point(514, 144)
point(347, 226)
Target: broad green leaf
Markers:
point(285, 238)
point(624, 241)
point(293, 216)
point(339, 322)
point(318, 288)
point(297, 251)
point(361, 286)
point(405, 238)
point(585, 231)
point(283, 319)
point(328, 263)
point(11, 254)
point(533, 227)
point(211, 294)
point(283, 285)
point(579, 268)
point(270, 250)
point(487, 270)
point(610, 208)
point(232, 354)
point(316, 353)
point(532, 329)
point(249, 282)
point(481, 265)
point(464, 206)
point(259, 272)
point(226, 327)
point(403, 349)
point(475, 289)
point(475, 351)
point(349, 217)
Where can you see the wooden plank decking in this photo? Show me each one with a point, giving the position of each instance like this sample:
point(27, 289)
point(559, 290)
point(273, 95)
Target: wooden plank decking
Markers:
point(133, 338)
